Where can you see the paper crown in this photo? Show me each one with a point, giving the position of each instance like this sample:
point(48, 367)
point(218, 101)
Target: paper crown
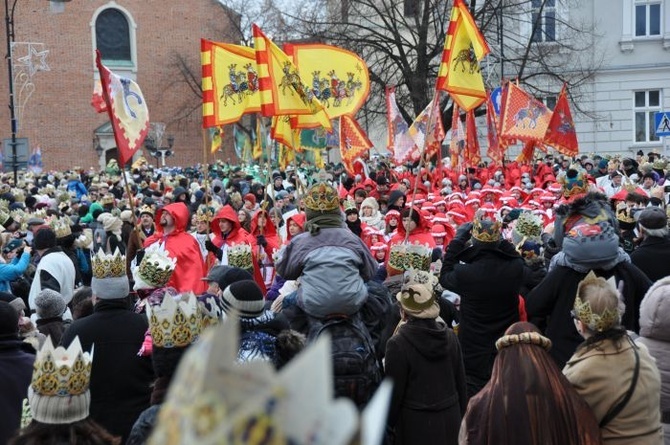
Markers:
point(574, 182)
point(108, 199)
point(322, 197)
point(108, 265)
point(155, 269)
point(624, 215)
point(607, 319)
point(58, 392)
point(240, 255)
point(61, 226)
point(204, 214)
point(147, 209)
point(4, 204)
point(211, 310)
point(176, 322)
point(214, 399)
point(405, 256)
point(528, 226)
point(349, 204)
point(485, 229)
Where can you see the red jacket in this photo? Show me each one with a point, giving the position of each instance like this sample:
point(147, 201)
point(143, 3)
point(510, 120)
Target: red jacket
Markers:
point(190, 267)
point(237, 235)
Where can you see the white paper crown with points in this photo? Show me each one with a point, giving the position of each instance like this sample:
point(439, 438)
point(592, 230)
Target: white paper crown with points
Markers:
point(61, 226)
point(58, 392)
point(109, 280)
point(213, 399)
point(176, 322)
point(155, 269)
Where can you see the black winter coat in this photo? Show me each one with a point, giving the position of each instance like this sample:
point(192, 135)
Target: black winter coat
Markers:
point(488, 279)
point(120, 379)
point(429, 393)
point(549, 305)
point(16, 371)
point(653, 257)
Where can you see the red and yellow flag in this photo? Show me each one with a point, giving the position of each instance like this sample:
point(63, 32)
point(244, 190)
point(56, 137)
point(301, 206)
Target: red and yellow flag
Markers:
point(229, 83)
point(526, 154)
point(457, 142)
point(464, 47)
point(522, 116)
point(353, 142)
point(282, 132)
point(472, 152)
point(283, 90)
point(561, 130)
point(338, 78)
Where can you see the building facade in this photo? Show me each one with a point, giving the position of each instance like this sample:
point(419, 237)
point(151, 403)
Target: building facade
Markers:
point(154, 42)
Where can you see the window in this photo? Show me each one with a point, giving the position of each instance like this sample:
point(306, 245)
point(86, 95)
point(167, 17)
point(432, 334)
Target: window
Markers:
point(646, 104)
point(112, 35)
point(549, 101)
point(543, 20)
point(647, 18)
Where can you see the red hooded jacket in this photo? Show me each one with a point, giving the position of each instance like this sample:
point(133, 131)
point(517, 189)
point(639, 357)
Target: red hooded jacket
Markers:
point(190, 267)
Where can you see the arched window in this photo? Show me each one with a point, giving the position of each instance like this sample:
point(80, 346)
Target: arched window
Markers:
point(112, 35)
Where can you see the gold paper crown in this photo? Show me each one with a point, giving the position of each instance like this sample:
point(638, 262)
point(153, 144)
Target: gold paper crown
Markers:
point(576, 185)
point(582, 309)
point(108, 199)
point(212, 313)
point(147, 209)
point(61, 372)
point(175, 324)
point(4, 204)
point(4, 216)
point(40, 214)
point(204, 214)
point(623, 215)
point(486, 230)
point(108, 265)
point(349, 204)
point(322, 197)
point(156, 266)
point(240, 255)
point(61, 226)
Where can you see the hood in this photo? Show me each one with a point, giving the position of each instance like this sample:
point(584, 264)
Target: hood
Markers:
point(179, 212)
point(299, 219)
point(655, 311)
point(422, 227)
point(226, 212)
point(426, 336)
point(372, 203)
point(270, 229)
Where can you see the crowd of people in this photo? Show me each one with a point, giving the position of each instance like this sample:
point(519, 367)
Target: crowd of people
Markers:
point(522, 303)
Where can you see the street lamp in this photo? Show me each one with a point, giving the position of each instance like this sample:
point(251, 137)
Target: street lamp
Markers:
point(159, 152)
point(9, 32)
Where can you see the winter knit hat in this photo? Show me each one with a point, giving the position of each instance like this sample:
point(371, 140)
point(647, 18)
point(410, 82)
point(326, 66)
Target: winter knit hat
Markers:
point(58, 393)
point(49, 304)
point(590, 245)
point(245, 297)
point(9, 322)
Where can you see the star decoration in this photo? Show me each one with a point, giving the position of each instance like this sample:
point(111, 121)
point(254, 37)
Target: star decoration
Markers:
point(34, 61)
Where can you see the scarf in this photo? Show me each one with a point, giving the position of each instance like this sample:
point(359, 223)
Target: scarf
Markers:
point(560, 259)
point(323, 220)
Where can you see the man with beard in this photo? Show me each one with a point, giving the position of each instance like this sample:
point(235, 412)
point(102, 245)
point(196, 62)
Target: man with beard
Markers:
point(172, 220)
point(137, 237)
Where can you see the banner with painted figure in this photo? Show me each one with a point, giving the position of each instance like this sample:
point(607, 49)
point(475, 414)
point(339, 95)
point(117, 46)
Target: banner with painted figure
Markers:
point(427, 130)
point(229, 82)
point(338, 78)
point(284, 89)
point(523, 117)
point(400, 144)
point(561, 129)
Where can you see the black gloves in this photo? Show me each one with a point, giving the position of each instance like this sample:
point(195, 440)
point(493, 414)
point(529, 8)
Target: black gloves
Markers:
point(211, 247)
point(464, 232)
point(260, 239)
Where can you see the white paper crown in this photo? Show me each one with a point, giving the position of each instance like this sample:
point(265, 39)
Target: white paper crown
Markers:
point(155, 269)
point(58, 391)
point(176, 322)
point(108, 265)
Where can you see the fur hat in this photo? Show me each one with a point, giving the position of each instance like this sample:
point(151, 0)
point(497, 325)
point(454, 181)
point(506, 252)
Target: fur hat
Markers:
point(245, 297)
point(417, 294)
point(49, 304)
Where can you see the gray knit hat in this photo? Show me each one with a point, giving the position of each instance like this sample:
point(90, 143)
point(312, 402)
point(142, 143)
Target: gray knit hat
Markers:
point(245, 297)
point(49, 304)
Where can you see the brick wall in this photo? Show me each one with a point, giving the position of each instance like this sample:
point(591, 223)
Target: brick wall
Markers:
point(59, 116)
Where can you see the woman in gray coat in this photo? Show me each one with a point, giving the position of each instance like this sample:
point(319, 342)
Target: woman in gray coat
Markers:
point(655, 335)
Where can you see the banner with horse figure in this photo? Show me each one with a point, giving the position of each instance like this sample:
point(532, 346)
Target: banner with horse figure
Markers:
point(523, 117)
point(339, 79)
point(229, 83)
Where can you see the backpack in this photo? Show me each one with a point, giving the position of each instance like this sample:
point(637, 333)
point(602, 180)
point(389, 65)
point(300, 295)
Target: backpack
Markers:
point(356, 370)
